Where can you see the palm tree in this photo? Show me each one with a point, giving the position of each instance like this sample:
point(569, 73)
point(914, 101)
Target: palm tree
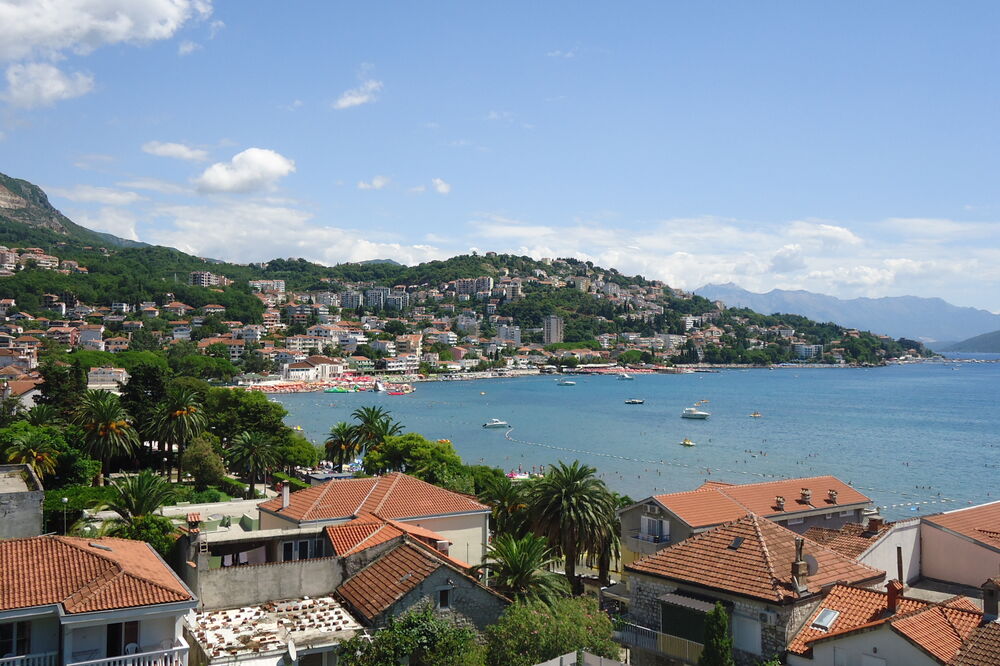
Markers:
point(568, 506)
point(107, 431)
point(43, 415)
point(253, 454)
point(519, 568)
point(507, 501)
point(608, 544)
point(374, 425)
point(179, 420)
point(34, 451)
point(140, 495)
point(342, 444)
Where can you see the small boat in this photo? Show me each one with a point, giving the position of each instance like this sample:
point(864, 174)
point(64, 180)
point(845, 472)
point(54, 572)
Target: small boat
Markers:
point(566, 382)
point(634, 401)
point(694, 413)
point(496, 423)
point(755, 415)
point(396, 392)
point(686, 442)
point(625, 377)
point(379, 387)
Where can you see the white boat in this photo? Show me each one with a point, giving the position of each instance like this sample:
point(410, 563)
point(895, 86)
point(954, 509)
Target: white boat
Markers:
point(496, 423)
point(686, 442)
point(566, 382)
point(634, 401)
point(694, 413)
point(625, 377)
point(379, 386)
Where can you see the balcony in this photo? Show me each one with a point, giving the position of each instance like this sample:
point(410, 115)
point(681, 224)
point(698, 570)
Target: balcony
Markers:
point(645, 544)
point(174, 653)
point(644, 638)
point(38, 659)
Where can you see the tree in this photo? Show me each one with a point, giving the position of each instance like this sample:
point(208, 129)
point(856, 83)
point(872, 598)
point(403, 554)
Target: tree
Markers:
point(431, 461)
point(11, 411)
point(203, 463)
point(568, 507)
point(533, 632)
point(395, 327)
point(342, 444)
point(43, 415)
point(35, 451)
point(107, 430)
point(253, 454)
point(508, 504)
point(62, 386)
point(418, 638)
point(140, 495)
point(296, 451)
point(157, 531)
point(178, 421)
point(145, 391)
point(718, 650)
point(233, 411)
point(519, 568)
point(374, 425)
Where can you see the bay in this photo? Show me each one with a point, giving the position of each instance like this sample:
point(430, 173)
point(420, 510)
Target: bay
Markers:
point(917, 438)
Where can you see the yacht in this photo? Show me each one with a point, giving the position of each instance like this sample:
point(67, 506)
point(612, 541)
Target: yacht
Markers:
point(686, 442)
point(694, 413)
point(566, 382)
point(625, 377)
point(496, 423)
point(634, 401)
point(755, 415)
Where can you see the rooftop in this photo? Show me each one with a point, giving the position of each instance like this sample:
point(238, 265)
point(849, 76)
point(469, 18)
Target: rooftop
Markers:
point(981, 523)
point(851, 540)
point(982, 648)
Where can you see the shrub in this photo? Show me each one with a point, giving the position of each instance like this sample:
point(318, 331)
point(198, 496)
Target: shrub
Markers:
point(78, 498)
point(296, 484)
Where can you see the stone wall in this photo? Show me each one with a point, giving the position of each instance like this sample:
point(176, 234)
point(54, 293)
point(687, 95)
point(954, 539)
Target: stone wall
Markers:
point(470, 603)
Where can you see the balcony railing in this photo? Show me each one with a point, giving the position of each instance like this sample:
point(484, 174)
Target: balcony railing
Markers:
point(39, 659)
point(177, 655)
point(637, 636)
point(649, 538)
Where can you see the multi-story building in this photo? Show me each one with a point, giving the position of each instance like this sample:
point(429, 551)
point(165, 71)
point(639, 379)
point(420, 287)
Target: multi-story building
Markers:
point(352, 300)
point(552, 329)
point(375, 297)
point(806, 351)
point(397, 300)
point(510, 332)
point(275, 286)
point(207, 279)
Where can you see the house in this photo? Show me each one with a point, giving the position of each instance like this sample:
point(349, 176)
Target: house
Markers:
point(768, 578)
point(961, 546)
point(855, 626)
point(893, 547)
point(21, 499)
point(213, 309)
point(106, 378)
point(797, 504)
point(100, 602)
point(24, 389)
point(406, 499)
point(982, 648)
point(314, 368)
point(177, 308)
point(116, 344)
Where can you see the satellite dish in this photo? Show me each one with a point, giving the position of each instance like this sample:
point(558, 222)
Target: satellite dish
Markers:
point(293, 654)
point(812, 564)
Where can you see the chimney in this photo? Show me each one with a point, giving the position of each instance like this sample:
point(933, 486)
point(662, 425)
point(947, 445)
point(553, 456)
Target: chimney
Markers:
point(875, 523)
point(779, 502)
point(800, 569)
point(895, 591)
point(832, 495)
point(991, 590)
point(807, 495)
point(284, 495)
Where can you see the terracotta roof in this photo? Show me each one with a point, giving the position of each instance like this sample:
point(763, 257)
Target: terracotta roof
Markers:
point(83, 578)
point(851, 540)
point(715, 503)
point(940, 630)
point(982, 648)
point(981, 523)
point(394, 496)
point(753, 557)
point(361, 534)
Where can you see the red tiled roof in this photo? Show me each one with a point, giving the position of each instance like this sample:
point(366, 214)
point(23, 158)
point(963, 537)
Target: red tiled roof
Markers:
point(981, 648)
point(759, 566)
point(394, 496)
point(938, 629)
point(981, 523)
point(360, 534)
point(69, 571)
point(851, 540)
point(715, 503)
point(386, 580)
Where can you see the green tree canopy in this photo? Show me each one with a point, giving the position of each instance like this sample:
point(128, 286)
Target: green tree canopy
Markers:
point(418, 638)
point(718, 650)
point(432, 461)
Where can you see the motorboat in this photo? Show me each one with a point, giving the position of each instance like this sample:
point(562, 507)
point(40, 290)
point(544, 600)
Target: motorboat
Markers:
point(686, 442)
point(634, 401)
point(625, 377)
point(694, 413)
point(566, 382)
point(379, 387)
point(756, 415)
point(496, 423)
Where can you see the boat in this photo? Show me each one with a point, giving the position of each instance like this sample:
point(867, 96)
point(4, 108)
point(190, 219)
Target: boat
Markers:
point(686, 442)
point(694, 413)
point(566, 382)
point(336, 389)
point(634, 401)
point(625, 377)
point(396, 392)
point(756, 415)
point(496, 423)
point(379, 387)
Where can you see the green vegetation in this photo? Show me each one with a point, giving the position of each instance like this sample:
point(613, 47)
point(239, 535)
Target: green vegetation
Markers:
point(418, 638)
point(718, 649)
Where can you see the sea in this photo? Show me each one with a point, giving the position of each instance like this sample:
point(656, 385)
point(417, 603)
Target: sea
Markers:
point(917, 439)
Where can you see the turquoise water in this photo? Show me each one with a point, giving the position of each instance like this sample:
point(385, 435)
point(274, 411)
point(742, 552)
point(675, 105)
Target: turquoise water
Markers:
point(909, 436)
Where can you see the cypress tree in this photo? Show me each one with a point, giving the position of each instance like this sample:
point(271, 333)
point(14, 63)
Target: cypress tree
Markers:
point(718, 644)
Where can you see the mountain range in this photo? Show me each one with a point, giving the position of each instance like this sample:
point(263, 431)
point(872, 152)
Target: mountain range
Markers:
point(930, 320)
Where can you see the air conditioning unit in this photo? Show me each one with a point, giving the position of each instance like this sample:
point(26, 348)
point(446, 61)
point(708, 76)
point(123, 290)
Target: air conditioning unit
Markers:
point(768, 617)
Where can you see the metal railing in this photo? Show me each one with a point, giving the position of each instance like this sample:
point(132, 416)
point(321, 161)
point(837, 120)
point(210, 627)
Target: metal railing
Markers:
point(39, 659)
point(172, 656)
point(649, 538)
point(637, 636)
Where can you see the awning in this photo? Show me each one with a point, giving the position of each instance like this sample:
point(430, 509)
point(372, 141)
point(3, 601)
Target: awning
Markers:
point(687, 602)
point(617, 592)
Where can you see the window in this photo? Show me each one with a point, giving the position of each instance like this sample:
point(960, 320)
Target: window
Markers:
point(655, 529)
point(15, 639)
point(682, 622)
point(846, 514)
point(796, 521)
point(303, 550)
point(444, 598)
point(288, 551)
point(825, 619)
point(120, 635)
point(839, 657)
point(827, 516)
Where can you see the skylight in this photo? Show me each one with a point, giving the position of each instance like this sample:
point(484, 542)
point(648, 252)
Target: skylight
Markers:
point(825, 619)
point(737, 542)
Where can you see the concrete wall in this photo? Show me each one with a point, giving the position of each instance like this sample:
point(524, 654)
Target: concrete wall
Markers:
point(470, 604)
point(954, 558)
point(85, 638)
point(21, 499)
point(904, 534)
point(834, 522)
point(254, 584)
point(468, 534)
point(882, 643)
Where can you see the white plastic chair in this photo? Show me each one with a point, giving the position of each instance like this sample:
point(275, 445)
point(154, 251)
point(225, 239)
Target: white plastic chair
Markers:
point(131, 648)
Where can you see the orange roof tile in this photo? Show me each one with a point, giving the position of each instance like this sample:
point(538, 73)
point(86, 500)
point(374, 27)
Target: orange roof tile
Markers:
point(851, 539)
point(981, 523)
point(759, 566)
point(386, 580)
point(981, 648)
point(715, 503)
point(394, 496)
point(940, 630)
point(70, 571)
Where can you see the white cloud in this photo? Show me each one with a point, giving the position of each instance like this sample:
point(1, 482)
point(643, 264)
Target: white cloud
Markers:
point(376, 183)
point(440, 186)
point(505, 116)
point(177, 151)
point(115, 221)
point(827, 234)
point(251, 170)
point(366, 93)
point(788, 259)
point(36, 85)
point(214, 28)
point(91, 194)
point(47, 29)
point(571, 53)
point(418, 189)
point(187, 47)
point(155, 185)
point(296, 104)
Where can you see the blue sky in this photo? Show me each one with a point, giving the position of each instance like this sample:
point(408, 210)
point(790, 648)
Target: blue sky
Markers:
point(846, 148)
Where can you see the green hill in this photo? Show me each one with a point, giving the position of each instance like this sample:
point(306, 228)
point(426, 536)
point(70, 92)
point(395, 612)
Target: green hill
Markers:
point(987, 343)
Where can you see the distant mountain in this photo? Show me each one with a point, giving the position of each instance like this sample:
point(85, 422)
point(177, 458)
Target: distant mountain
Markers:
point(925, 319)
point(987, 343)
point(24, 207)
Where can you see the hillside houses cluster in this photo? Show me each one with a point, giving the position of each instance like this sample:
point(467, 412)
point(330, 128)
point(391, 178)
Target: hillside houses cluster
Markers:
point(14, 259)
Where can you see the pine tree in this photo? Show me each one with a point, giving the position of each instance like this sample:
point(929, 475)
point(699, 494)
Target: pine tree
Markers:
point(718, 644)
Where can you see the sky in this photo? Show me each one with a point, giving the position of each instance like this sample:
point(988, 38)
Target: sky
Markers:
point(845, 148)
